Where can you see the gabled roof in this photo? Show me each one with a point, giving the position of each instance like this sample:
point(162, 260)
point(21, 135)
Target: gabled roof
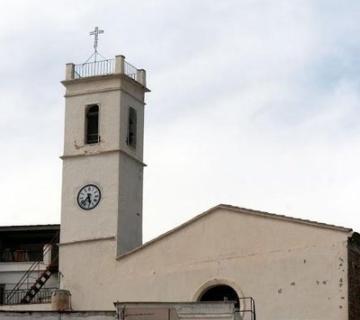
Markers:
point(246, 211)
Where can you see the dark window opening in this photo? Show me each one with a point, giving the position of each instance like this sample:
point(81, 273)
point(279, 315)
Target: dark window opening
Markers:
point(132, 127)
point(2, 293)
point(220, 293)
point(92, 124)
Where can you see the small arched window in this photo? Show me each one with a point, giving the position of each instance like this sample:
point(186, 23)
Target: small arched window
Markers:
point(220, 293)
point(132, 128)
point(92, 124)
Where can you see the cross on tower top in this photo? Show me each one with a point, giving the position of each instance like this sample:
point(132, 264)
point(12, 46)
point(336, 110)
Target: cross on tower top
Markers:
point(96, 33)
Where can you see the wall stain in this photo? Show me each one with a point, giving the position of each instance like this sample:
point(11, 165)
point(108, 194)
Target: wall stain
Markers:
point(77, 147)
point(340, 282)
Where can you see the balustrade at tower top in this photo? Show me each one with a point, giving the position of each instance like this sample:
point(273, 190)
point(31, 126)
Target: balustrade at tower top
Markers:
point(105, 67)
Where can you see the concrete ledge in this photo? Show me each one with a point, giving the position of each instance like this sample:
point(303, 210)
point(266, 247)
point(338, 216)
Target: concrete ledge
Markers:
point(102, 152)
point(86, 241)
point(105, 77)
point(25, 307)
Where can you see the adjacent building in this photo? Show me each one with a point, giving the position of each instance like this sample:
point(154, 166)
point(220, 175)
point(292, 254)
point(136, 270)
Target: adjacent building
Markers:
point(26, 252)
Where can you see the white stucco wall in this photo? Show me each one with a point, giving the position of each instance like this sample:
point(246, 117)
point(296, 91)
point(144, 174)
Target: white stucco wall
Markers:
point(78, 224)
point(293, 271)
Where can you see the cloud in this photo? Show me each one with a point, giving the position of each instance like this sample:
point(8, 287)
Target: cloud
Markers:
point(253, 103)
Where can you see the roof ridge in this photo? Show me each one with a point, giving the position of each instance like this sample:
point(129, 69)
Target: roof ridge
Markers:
point(285, 217)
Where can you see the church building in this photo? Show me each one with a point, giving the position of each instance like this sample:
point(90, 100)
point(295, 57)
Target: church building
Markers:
point(288, 268)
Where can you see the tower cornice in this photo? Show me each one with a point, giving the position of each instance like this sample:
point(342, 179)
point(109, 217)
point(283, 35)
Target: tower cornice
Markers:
point(96, 153)
point(110, 89)
point(122, 76)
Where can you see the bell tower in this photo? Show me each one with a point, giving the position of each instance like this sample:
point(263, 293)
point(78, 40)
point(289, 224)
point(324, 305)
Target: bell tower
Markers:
point(103, 154)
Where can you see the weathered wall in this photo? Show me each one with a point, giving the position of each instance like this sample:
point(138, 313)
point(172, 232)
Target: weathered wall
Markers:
point(47, 315)
point(291, 270)
point(354, 277)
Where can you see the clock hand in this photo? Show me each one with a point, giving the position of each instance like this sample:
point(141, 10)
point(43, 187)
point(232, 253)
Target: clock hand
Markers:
point(89, 199)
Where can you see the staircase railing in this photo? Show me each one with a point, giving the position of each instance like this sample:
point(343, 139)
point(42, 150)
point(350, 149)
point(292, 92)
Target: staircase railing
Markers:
point(43, 296)
point(33, 268)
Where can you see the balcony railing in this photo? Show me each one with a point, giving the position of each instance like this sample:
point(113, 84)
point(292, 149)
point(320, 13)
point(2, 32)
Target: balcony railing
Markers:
point(130, 70)
point(12, 255)
point(105, 67)
point(97, 68)
point(9, 297)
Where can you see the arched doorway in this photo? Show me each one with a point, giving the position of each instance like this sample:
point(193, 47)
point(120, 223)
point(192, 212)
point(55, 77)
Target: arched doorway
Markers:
point(220, 293)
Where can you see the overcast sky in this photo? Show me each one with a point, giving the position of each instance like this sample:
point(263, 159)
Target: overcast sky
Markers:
point(254, 103)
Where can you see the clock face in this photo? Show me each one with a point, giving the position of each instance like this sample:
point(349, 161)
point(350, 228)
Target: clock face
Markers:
point(89, 197)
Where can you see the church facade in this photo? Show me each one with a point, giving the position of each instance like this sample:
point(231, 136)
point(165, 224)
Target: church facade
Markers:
point(292, 268)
